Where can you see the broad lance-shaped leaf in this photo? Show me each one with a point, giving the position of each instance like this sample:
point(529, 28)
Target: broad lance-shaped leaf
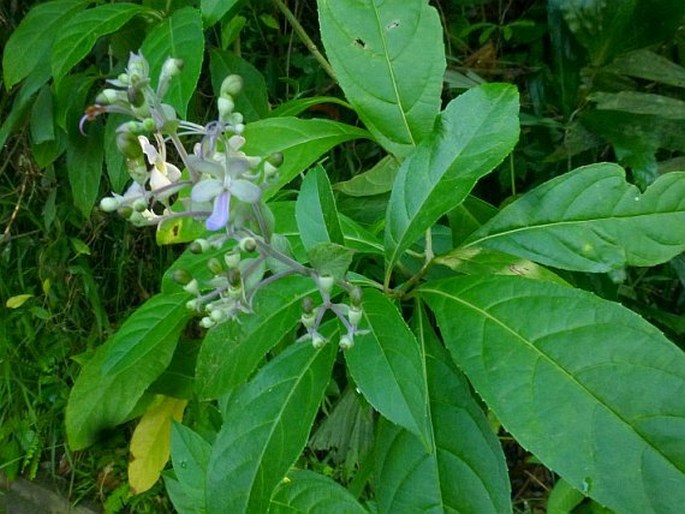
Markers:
point(190, 456)
point(266, 425)
point(474, 133)
point(179, 36)
point(310, 492)
point(77, 36)
point(232, 351)
point(315, 210)
point(389, 59)
point(592, 220)
point(300, 141)
point(464, 470)
point(115, 378)
point(37, 32)
point(387, 366)
point(84, 166)
point(588, 386)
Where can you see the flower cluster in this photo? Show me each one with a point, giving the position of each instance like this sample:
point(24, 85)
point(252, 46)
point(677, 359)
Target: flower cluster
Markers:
point(218, 184)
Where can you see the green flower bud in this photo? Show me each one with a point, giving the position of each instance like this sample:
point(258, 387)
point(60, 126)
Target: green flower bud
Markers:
point(248, 244)
point(275, 159)
point(356, 296)
point(308, 320)
point(234, 277)
point(124, 78)
point(215, 266)
point(235, 292)
point(109, 96)
point(109, 204)
point(149, 125)
point(139, 204)
point(172, 67)
point(125, 212)
point(135, 96)
point(199, 246)
point(346, 342)
point(181, 276)
point(128, 145)
point(225, 106)
point(232, 85)
point(307, 305)
point(318, 340)
point(192, 287)
point(232, 259)
point(354, 314)
point(193, 305)
point(218, 315)
point(326, 283)
point(207, 322)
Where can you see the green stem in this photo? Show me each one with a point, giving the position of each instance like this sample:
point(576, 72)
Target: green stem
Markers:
point(302, 34)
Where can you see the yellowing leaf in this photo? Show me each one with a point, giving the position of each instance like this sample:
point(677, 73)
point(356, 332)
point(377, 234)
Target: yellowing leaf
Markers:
point(17, 301)
point(151, 442)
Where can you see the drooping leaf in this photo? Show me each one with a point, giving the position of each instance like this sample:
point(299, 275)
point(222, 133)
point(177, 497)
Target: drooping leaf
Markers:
point(376, 181)
point(190, 457)
point(589, 387)
point(252, 101)
point(266, 424)
point(387, 366)
point(37, 32)
point(307, 491)
point(298, 105)
point(151, 442)
point(389, 60)
point(301, 141)
point(231, 352)
point(214, 10)
point(474, 133)
point(648, 65)
point(78, 33)
point(112, 382)
point(179, 36)
point(316, 212)
point(464, 470)
point(592, 220)
point(84, 165)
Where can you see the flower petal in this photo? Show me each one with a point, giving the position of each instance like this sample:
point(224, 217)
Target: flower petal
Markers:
point(158, 179)
point(206, 189)
point(246, 191)
point(219, 216)
point(206, 166)
point(149, 150)
point(172, 172)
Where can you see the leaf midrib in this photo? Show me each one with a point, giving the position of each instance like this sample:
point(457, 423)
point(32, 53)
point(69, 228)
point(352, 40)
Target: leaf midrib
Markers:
point(557, 366)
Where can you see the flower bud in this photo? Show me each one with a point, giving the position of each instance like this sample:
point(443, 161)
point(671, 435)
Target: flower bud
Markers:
point(172, 67)
point(193, 305)
point(346, 342)
point(326, 283)
point(318, 340)
point(192, 287)
point(135, 96)
point(354, 314)
point(248, 244)
point(232, 259)
point(138, 68)
point(225, 106)
point(308, 320)
point(181, 276)
point(215, 266)
point(207, 322)
point(128, 145)
point(232, 85)
point(109, 204)
point(235, 292)
point(149, 125)
point(275, 159)
point(124, 78)
point(356, 296)
point(139, 204)
point(125, 212)
point(109, 96)
point(307, 305)
point(218, 315)
point(234, 277)
point(199, 246)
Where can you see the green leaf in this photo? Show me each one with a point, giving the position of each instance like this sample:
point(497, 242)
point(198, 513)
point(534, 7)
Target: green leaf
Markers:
point(112, 382)
point(114, 159)
point(214, 10)
point(77, 34)
point(389, 59)
point(376, 181)
point(330, 259)
point(84, 164)
point(301, 141)
point(190, 458)
point(315, 210)
point(469, 216)
point(464, 470)
point(588, 386)
point(179, 36)
point(231, 352)
point(592, 220)
point(252, 101)
point(42, 126)
point(299, 105)
point(37, 32)
point(563, 498)
point(640, 103)
point(266, 424)
point(387, 366)
point(309, 492)
point(645, 64)
point(481, 261)
point(474, 133)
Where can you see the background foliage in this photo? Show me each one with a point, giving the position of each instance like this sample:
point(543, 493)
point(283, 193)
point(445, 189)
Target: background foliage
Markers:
point(598, 81)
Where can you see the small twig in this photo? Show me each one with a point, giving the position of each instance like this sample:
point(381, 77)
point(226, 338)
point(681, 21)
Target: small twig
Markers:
point(311, 46)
